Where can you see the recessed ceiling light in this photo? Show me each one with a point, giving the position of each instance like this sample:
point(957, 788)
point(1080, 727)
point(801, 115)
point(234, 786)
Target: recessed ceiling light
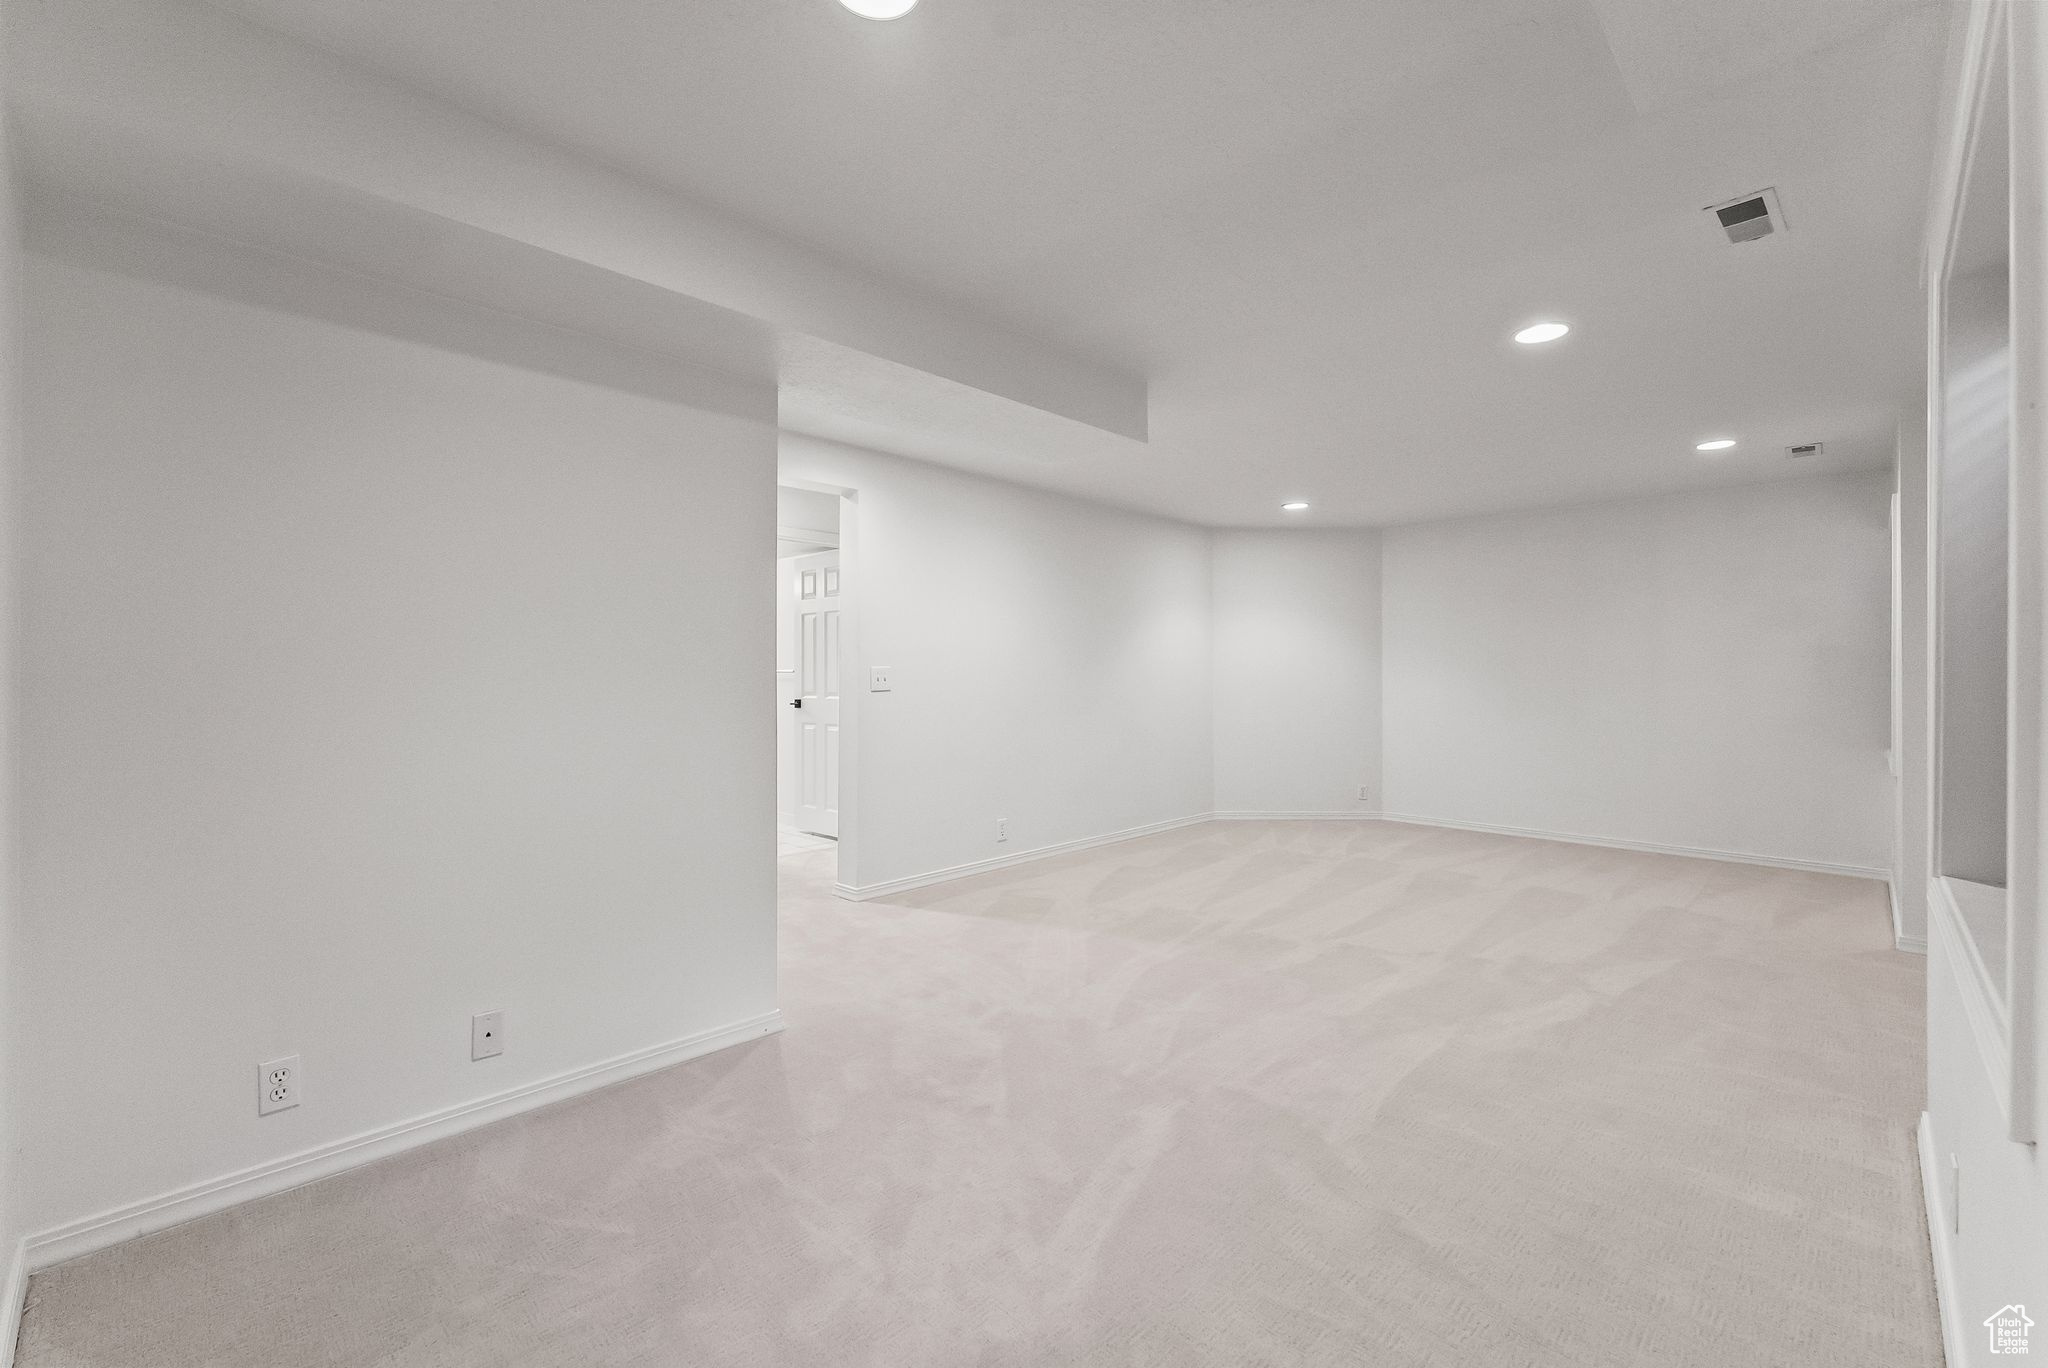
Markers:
point(1718, 444)
point(1542, 332)
point(880, 9)
point(1296, 507)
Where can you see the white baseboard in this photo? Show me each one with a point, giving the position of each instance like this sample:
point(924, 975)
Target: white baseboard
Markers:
point(1912, 945)
point(279, 1175)
point(1357, 815)
point(1648, 847)
point(1954, 1334)
point(904, 885)
point(864, 892)
point(16, 1293)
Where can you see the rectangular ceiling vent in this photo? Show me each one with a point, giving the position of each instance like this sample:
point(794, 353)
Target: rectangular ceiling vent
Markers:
point(1749, 217)
point(1810, 449)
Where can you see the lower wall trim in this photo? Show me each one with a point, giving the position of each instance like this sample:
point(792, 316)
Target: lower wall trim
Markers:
point(1648, 847)
point(1912, 945)
point(864, 892)
point(280, 1175)
point(1357, 815)
point(16, 1292)
point(1940, 1246)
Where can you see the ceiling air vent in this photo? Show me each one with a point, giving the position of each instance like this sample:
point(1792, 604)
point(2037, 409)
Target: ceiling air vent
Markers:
point(1810, 449)
point(1749, 217)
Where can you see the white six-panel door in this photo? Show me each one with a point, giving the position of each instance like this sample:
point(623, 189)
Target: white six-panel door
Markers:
point(818, 688)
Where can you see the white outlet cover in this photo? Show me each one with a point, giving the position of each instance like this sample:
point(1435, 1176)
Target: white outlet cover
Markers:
point(487, 1035)
point(278, 1085)
point(878, 679)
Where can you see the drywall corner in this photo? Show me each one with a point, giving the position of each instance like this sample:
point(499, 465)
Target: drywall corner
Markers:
point(1295, 671)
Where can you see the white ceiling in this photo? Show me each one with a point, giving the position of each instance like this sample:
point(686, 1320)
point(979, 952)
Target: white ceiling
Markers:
point(1310, 224)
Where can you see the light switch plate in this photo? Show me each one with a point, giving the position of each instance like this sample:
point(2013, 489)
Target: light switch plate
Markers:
point(878, 679)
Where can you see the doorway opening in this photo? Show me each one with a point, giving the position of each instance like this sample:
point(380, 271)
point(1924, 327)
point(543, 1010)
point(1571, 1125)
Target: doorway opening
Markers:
point(811, 653)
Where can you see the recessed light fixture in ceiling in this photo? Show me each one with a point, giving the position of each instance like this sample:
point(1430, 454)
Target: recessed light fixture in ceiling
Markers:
point(1542, 332)
point(1718, 444)
point(880, 9)
point(1296, 507)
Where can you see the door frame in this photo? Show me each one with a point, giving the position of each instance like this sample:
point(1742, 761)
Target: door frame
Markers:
point(821, 590)
point(853, 672)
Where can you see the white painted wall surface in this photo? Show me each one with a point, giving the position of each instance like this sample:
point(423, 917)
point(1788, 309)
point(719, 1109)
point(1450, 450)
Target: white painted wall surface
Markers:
point(1296, 651)
point(367, 685)
point(13, 979)
point(1912, 789)
point(1987, 1192)
point(1050, 660)
point(1971, 547)
point(807, 510)
point(1988, 1197)
point(1706, 671)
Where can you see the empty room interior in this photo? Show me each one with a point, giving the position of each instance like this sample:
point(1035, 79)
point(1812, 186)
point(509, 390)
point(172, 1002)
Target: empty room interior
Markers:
point(1408, 715)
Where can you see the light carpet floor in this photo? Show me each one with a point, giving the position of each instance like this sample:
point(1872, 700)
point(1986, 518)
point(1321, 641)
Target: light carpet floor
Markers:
point(790, 841)
point(1238, 1094)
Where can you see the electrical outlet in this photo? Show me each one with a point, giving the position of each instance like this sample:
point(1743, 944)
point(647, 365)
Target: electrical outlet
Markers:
point(487, 1035)
point(878, 679)
point(1002, 828)
point(277, 1085)
point(1364, 794)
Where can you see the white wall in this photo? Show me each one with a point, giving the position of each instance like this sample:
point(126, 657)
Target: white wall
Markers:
point(1987, 1035)
point(13, 980)
point(1050, 662)
point(1971, 547)
point(367, 685)
point(1296, 652)
point(1988, 1196)
point(1911, 818)
point(807, 510)
point(1705, 670)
